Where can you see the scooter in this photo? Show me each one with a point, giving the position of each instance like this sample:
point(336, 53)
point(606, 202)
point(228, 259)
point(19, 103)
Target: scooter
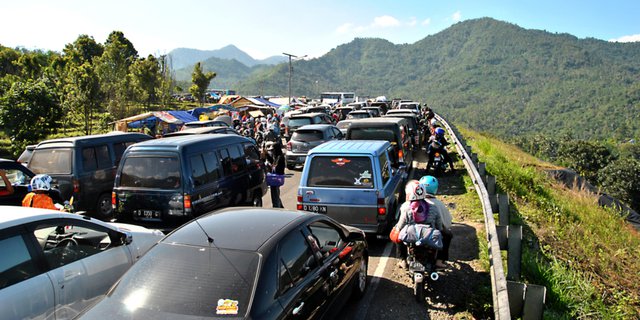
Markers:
point(420, 265)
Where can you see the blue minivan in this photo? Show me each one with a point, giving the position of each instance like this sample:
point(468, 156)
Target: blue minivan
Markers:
point(353, 182)
point(169, 181)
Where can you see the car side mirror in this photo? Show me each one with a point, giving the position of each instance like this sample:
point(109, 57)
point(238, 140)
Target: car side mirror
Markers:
point(126, 238)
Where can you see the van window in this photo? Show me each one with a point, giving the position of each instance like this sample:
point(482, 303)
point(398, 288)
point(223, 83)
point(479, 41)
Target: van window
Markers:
point(251, 153)
point(299, 122)
point(384, 168)
point(198, 171)
point(341, 172)
point(237, 158)
point(51, 161)
point(225, 161)
point(151, 172)
point(119, 148)
point(212, 165)
point(307, 135)
point(372, 134)
point(94, 158)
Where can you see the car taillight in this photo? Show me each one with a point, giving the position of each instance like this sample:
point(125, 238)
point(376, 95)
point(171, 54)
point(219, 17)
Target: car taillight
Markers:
point(382, 210)
point(76, 186)
point(187, 201)
point(289, 146)
point(299, 205)
point(113, 200)
point(400, 155)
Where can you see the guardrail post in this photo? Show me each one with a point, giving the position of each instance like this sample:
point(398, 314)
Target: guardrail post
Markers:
point(514, 253)
point(474, 158)
point(534, 298)
point(503, 209)
point(491, 189)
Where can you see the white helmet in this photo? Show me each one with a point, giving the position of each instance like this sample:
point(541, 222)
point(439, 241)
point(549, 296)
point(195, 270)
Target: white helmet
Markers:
point(41, 182)
point(433, 122)
point(414, 190)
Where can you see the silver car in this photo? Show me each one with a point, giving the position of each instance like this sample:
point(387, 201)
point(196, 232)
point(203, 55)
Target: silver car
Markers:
point(306, 138)
point(55, 264)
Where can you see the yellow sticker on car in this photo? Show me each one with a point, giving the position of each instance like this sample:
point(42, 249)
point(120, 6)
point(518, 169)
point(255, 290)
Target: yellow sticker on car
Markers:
point(227, 306)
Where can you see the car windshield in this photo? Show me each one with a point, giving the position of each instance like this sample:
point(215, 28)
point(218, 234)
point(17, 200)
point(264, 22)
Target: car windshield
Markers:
point(151, 172)
point(190, 281)
point(341, 172)
point(51, 161)
point(298, 122)
point(385, 134)
point(307, 135)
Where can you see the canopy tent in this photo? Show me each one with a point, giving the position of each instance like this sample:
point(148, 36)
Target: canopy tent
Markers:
point(227, 99)
point(171, 119)
point(263, 102)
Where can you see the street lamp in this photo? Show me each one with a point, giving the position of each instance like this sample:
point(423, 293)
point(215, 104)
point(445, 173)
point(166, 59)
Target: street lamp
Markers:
point(290, 69)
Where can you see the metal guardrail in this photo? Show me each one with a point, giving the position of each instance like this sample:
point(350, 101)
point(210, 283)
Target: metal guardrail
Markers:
point(498, 280)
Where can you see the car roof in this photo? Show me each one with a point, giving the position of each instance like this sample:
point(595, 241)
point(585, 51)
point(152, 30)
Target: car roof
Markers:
point(238, 228)
point(351, 147)
point(378, 122)
point(359, 111)
point(73, 140)
point(320, 126)
point(180, 141)
point(198, 130)
point(204, 121)
point(306, 115)
point(15, 216)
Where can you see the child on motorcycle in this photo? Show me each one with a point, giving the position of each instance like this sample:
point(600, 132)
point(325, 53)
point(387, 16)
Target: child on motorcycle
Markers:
point(39, 197)
point(415, 210)
point(430, 185)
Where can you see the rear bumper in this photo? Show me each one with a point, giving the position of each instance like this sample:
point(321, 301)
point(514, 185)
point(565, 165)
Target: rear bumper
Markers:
point(296, 158)
point(364, 218)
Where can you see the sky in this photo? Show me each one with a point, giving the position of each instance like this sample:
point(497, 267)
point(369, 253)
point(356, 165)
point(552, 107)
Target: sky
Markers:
point(299, 27)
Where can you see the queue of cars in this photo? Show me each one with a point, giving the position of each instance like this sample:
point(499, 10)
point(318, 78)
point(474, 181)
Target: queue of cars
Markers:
point(298, 265)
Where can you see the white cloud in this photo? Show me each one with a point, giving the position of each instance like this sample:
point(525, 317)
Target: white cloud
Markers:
point(426, 22)
point(631, 38)
point(385, 21)
point(344, 28)
point(412, 22)
point(457, 16)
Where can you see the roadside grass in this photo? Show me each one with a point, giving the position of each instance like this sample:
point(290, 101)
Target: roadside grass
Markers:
point(588, 257)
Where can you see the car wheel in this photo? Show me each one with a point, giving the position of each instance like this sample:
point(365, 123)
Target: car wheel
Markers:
point(104, 211)
point(257, 200)
point(362, 280)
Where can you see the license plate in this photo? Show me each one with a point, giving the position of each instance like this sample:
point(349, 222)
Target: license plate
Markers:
point(314, 208)
point(147, 214)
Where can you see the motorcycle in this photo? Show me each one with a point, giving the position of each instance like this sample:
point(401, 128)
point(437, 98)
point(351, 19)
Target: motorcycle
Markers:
point(438, 163)
point(420, 265)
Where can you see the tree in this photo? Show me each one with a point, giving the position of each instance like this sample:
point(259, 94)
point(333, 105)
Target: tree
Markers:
point(586, 157)
point(145, 74)
point(200, 82)
point(620, 180)
point(113, 70)
point(83, 93)
point(28, 113)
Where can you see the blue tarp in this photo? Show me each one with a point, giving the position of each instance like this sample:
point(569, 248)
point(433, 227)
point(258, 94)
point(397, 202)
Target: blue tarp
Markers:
point(267, 102)
point(183, 116)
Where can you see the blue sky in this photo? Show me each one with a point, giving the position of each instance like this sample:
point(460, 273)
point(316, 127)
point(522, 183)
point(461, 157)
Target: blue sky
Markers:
point(301, 27)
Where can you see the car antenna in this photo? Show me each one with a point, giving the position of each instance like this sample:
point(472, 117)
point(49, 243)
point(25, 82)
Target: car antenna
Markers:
point(205, 233)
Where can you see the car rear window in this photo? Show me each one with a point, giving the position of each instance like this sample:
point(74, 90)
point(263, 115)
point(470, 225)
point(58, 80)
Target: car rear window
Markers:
point(307, 135)
point(341, 172)
point(298, 122)
point(151, 172)
point(190, 280)
point(385, 134)
point(51, 161)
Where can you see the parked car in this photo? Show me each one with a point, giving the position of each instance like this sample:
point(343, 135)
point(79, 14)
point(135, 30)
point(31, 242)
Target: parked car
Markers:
point(202, 130)
point(296, 121)
point(343, 112)
point(20, 177)
point(166, 182)
point(244, 264)
point(359, 114)
point(375, 111)
point(320, 108)
point(394, 130)
point(306, 138)
point(25, 156)
point(383, 105)
point(354, 183)
point(417, 136)
point(204, 123)
point(343, 125)
point(411, 106)
point(84, 167)
point(55, 264)
point(358, 105)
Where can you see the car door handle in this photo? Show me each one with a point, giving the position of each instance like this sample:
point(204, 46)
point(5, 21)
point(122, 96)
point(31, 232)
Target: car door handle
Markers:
point(298, 309)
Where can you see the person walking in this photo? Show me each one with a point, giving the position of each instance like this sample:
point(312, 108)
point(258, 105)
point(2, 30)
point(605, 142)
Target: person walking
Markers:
point(276, 158)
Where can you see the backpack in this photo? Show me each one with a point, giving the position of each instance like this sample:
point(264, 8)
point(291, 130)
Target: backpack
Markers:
point(421, 235)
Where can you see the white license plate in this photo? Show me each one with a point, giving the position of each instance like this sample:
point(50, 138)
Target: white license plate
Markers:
point(314, 208)
point(147, 214)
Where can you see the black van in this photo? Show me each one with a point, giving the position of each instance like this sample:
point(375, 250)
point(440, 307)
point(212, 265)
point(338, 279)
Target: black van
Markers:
point(394, 130)
point(84, 167)
point(166, 182)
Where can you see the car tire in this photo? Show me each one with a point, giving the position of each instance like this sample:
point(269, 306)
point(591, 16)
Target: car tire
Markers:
point(362, 279)
point(104, 211)
point(256, 201)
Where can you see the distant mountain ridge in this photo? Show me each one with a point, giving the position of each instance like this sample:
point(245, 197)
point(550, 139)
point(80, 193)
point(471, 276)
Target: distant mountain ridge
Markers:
point(490, 75)
point(185, 57)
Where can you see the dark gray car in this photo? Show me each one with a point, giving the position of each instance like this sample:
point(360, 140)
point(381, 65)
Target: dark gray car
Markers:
point(306, 138)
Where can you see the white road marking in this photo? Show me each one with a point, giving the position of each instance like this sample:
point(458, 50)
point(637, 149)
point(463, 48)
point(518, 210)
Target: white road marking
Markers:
point(373, 285)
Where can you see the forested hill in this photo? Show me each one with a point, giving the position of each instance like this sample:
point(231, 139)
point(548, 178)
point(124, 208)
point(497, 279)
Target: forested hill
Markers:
point(490, 75)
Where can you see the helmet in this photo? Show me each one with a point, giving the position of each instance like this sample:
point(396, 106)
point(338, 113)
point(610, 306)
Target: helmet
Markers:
point(269, 146)
point(430, 184)
point(269, 116)
point(41, 182)
point(433, 122)
point(414, 190)
point(439, 132)
point(272, 127)
point(263, 120)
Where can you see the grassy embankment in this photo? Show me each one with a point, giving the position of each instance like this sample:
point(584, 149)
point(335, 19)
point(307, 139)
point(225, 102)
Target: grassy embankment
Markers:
point(586, 256)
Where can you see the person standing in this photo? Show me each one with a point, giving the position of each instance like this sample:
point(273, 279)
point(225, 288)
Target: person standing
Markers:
point(276, 158)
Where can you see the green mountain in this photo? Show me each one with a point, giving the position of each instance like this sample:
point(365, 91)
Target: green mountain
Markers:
point(489, 75)
point(186, 58)
point(229, 73)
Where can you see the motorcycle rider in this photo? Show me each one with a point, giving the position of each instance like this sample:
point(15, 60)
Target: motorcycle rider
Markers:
point(39, 197)
point(430, 185)
point(438, 143)
point(415, 203)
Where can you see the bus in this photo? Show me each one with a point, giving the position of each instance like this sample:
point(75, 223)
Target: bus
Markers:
point(333, 98)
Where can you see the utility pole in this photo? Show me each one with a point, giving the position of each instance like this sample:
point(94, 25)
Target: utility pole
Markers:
point(290, 70)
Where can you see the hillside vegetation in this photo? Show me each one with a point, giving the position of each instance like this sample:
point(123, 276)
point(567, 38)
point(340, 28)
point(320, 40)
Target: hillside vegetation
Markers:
point(585, 255)
point(487, 74)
